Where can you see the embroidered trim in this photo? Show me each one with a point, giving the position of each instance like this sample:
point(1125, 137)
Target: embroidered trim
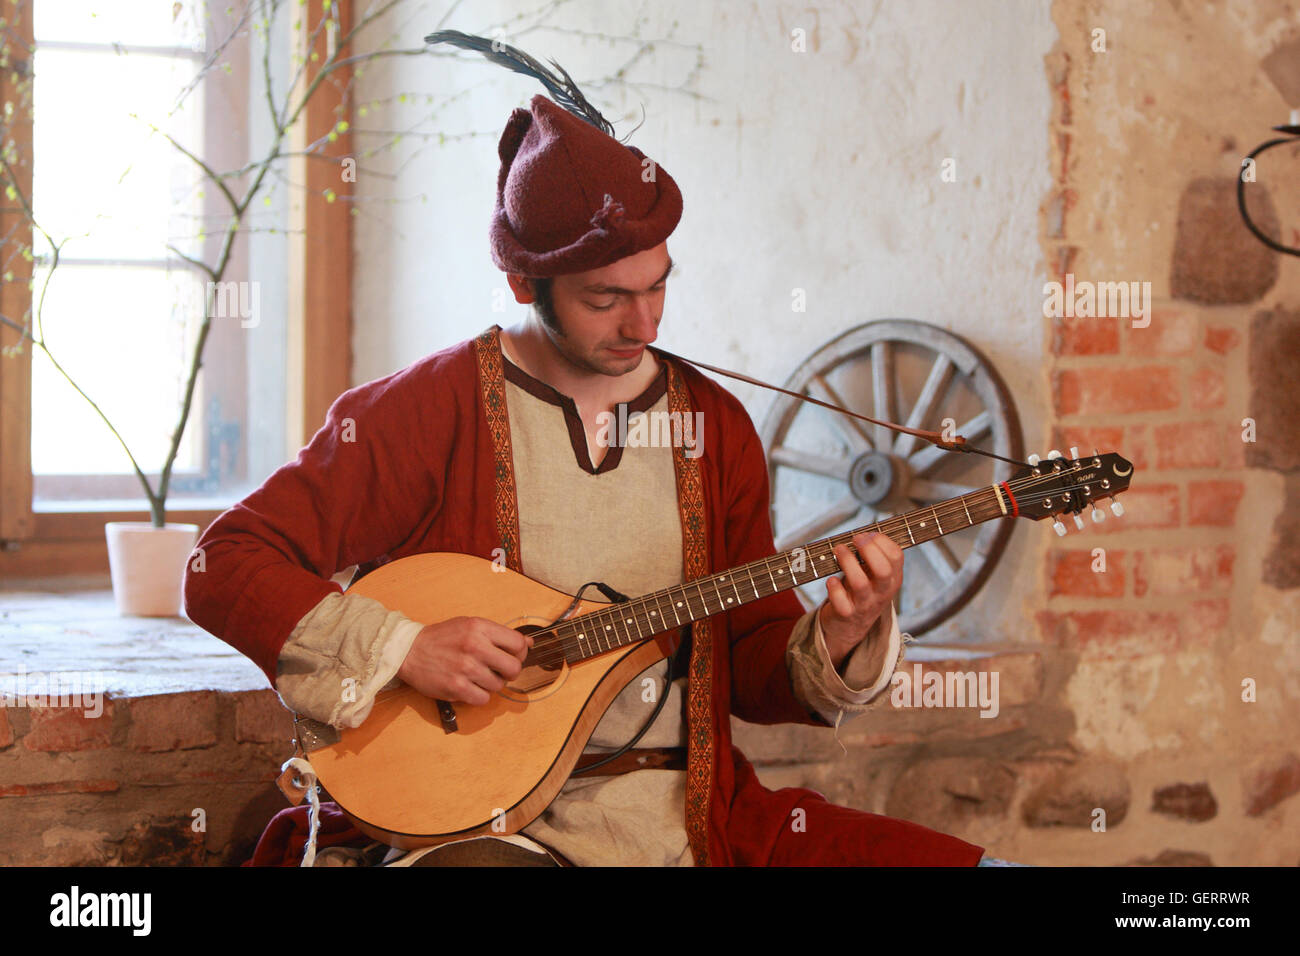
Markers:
point(492, 390)
point(699, 707)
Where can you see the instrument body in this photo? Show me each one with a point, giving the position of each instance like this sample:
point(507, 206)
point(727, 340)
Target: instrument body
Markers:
point(407, 782)
point(414, 774)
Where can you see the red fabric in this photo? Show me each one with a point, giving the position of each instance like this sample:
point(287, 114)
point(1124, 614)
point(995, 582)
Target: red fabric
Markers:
point(571, 198)
point(285, 837)
point(364, 492)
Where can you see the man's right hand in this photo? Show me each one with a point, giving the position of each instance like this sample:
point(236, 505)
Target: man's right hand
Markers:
point(465, 659)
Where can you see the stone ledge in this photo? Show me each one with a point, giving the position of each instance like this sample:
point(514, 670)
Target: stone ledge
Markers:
point(59, 628)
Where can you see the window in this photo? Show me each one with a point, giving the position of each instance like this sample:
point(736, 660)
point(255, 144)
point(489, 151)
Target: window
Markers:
point(115, 84)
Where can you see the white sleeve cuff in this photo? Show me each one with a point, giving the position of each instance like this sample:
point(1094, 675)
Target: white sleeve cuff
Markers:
point(857, 670)
point(395, 648)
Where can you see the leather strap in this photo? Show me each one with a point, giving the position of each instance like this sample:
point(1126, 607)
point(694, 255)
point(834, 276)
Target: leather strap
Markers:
point(650, 758)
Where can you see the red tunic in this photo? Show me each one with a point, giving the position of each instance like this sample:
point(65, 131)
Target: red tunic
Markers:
point(420, 461)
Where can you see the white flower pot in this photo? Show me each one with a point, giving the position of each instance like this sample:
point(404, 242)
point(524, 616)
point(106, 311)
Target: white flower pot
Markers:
point(148, 565)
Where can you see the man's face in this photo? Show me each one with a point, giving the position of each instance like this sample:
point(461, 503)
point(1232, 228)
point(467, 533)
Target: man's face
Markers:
point(607, 316)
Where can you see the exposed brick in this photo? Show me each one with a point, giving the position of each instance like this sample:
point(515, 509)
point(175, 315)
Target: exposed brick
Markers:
point(1234, 449)
point(1215, 260)
point(1270, 780)
point(1208, 617)
point(1071, 796)
point(58, 729)
point(1221, 339)
point(1123, 634)
point(1185, 801)
point(1085, 336)
point(261, 718)
point(1207, 388)
point(1145, 506)
point(6, 732)
point(173, 722)
point(172, 842)
point(61, 786)
point(1104, 438)
point(1183, 570)
point(945, 792)
point(1116, 391)
point(1136, 446)
point(1071, 574)
point(1274, 398)
point(1213, 502)
point(1282, 563)
point(1172, 332)
point(1187, 445)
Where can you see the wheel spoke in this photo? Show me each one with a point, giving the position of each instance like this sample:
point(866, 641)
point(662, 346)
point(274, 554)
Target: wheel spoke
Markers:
point(836, 515)
point(852, 430)
point(935, 386)
point(882, 388)
point(928, 457)
point(927, 491)
point(837, 468)
point(940, 557)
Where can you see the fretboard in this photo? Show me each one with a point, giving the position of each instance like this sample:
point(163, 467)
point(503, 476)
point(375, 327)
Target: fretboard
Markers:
point(620, 625)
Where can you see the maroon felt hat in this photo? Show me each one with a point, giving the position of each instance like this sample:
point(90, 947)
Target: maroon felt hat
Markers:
point(571, 198)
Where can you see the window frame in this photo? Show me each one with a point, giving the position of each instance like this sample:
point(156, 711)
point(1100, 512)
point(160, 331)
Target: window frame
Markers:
point(59, 543)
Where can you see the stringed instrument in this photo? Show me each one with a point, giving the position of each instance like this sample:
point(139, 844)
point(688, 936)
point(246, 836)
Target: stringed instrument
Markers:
point(419, 772)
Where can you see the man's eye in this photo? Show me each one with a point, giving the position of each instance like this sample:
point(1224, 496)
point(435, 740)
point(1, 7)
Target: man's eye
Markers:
point(601, 308)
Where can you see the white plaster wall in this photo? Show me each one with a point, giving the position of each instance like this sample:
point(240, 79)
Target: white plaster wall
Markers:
point(817, 170)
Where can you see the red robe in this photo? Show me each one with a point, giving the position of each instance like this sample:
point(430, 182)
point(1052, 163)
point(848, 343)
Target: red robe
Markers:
point(420, 461)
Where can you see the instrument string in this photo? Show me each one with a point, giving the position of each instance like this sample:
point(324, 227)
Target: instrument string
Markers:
point(550, 644)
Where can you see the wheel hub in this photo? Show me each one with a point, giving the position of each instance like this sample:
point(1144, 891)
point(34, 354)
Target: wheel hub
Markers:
point(872, 477)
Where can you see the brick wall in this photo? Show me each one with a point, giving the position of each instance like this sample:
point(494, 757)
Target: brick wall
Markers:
point(168, 779)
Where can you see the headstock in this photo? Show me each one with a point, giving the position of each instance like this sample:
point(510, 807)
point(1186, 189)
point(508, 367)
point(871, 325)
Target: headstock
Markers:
point(1057, 486)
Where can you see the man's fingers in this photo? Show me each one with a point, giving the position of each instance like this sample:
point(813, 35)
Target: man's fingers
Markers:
point(837, 598)
point(507, 639)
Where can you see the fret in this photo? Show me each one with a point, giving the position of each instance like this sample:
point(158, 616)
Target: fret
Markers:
point(908, 527)
point(739, 599)
point(674, 604)
point(704, 598)
point(769, 574)
point(656, 618)
point(967, 510)
point(633, 620)
point(753, 585)
point(934, 512)
point(721, 603)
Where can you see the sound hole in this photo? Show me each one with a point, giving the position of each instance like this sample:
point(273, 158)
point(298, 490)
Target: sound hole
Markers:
point(535, 674)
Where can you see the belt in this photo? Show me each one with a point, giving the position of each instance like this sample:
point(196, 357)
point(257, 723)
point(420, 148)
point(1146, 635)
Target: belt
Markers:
point(652, 758)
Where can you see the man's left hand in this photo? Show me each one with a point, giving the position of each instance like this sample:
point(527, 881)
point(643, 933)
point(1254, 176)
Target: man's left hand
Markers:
point(856, 600)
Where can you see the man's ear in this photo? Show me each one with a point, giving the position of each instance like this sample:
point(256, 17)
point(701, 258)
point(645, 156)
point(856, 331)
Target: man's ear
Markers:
point(522, 287)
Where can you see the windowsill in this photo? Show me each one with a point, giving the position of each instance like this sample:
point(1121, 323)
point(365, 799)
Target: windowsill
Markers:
point(72, 627)
point(130, 505)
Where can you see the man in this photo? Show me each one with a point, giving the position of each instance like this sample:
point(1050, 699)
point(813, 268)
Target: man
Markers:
point(499, 447)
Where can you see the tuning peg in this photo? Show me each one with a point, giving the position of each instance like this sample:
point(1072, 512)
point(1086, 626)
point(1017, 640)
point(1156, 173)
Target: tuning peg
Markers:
point(1033, 459)
point(1078, 522)
point(1058, 527)
point(1116, 508)
point(1098, 515)
point(1074, 453)
point(1053, 454)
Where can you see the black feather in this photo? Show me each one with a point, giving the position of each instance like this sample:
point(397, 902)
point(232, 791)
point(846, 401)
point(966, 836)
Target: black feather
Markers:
point(562, 88)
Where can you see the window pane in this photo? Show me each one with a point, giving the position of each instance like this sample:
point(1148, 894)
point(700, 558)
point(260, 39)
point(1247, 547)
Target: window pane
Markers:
point(138, 192)
point(145, 22)
point(119, 333)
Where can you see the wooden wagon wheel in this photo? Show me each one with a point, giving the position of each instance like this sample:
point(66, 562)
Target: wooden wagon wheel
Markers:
point(831, 473)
